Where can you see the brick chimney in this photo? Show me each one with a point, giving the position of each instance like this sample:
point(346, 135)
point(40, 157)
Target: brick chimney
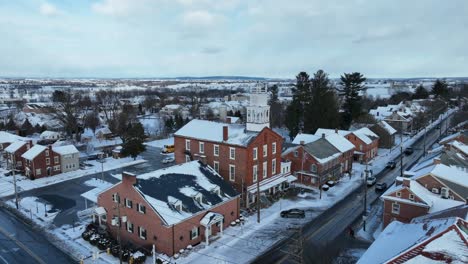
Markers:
point(323, 135)
point(228, 120)
point(436, 161)
point(406, 182)
point(129, 178)
point(225, 133)
point(302, 143)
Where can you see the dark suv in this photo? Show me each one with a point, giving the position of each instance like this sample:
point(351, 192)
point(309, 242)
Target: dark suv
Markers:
point(409, 151)
point(293, 213)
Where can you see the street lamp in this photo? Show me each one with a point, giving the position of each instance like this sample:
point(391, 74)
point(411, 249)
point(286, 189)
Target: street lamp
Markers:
point(102, 160)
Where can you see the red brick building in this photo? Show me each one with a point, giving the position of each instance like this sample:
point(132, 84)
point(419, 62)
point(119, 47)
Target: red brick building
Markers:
point(242, 154)
point(14, 152)
point(365, 141)
point(7, 138)
point(430, 190)
point(315, 163)
point(171, 208)
point(41, 161)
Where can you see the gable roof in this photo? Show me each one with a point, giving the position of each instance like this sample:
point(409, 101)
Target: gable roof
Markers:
point(449, 138)
point(13, 147)
point(383, 124)
point(322, 150)
point(180, 183)
point(327, 131)
point(6, 137)
point(366, 135)
point(33, 152)
point(398, 237)
point(338, 141)
point(64, 150)
point(213, 131)
point(307, 138)
point(460, 146)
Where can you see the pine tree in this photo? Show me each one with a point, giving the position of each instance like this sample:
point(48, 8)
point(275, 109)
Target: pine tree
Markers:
point(293, 119)
point(420, 93)
point(353, 84)
point(322, 110)
point(295, 111)
point(179, 121)
point(11, 125)
point(440, 89)
point(276, 109)
point(27, 128)
point(133, 141)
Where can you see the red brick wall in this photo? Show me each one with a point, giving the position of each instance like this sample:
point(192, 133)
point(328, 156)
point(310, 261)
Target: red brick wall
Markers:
point(430, 182)
point(244, 156)
point(366, 148)
point(165, 238)
point(407, 212)
point(39, 162)
point(18, 153)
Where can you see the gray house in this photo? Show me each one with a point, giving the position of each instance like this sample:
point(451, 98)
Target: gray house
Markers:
point(69, 157)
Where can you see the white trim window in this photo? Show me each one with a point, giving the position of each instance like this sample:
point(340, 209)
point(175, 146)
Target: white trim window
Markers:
point(129, 227)
point(47, 153)
point(273, 148)
point(255, 173)
point(273, 166)
point(216, 150)
point(411, 197)
point(398, 194)
point(201, 147)
point(128, 203)
point(187, 144)
point(56, 159)
point(265, 169)
point(187, 158)
point(255, 153)
point(194, 233)
point(216, 166)
point(232, 172)
point(115, 198)
point(47, 161)
point(232, 153)
point(142, 232)
point(38, 171)
point(265, 150)
point(313, 168)
point(141, 209)
point(395, 208)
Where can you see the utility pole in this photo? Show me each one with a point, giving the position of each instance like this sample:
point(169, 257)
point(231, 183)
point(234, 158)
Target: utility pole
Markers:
point(258, 198)
point(365, 196)
point(424, 141)
point(401, 160)
point(14, 180)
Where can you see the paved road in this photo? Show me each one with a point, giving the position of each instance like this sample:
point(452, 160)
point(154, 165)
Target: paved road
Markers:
point(320, 233)
point(20, 244)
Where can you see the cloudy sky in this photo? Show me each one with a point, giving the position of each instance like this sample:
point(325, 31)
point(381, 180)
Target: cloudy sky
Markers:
point(270, 38)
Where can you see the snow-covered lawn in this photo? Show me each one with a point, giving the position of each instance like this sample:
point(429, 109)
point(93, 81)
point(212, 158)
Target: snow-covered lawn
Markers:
point(35, 209)
point(24, 184)
point(161, 142)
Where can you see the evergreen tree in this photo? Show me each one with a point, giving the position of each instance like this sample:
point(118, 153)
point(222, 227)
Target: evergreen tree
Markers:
point(238, 114)
point(92, 121)
point(11, 125)
point(302, 96)
point(2, 126)
point(169, 124)
point(276, 109)
point(352, 85)
point(230, 113)
point(322, 110)
point(27, 128)
point(293, 119)
point(179, 121)
point(420, 93)
point(440, 89)
point(38, 128)
point(133, 140)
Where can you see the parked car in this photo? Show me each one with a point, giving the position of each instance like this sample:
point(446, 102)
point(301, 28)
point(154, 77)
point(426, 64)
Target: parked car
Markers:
point(381, 186)
point(168, 160)
point(371, 181)
point(293, 213)
point(409, 151)
point(391, 164)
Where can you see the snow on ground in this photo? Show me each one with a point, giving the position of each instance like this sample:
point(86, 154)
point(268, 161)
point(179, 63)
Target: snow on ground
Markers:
point(24, 184)
point(35, 209)
point(161, 142)
point(152, 124)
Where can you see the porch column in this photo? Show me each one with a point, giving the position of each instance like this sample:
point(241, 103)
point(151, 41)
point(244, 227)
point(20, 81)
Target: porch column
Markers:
point(94, 218)
point(221, 227)
point(86, 203)
point(206, 235)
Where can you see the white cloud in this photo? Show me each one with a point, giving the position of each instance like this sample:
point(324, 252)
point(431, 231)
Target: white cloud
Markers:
point(48, 9)
point(124, 7)
point(200, 19)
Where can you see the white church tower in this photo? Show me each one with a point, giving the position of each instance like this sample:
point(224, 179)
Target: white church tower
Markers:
point(258, 111)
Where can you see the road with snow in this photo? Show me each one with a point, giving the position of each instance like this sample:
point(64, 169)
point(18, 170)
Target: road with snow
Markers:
point(320, 234)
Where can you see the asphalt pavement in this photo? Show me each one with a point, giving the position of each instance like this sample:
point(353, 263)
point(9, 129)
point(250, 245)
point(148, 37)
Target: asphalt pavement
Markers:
point(319, 235)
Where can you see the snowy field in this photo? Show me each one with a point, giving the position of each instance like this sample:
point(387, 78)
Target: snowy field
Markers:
point(24, 184)
point(161, 142)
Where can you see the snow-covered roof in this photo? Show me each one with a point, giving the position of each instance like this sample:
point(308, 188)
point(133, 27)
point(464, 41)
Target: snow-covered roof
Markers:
point(33, 152)
point(6, 137)
point(307, 138)
point(366, 135)
point(450, 174)
point(13, 147)
point(339, 142)
point(449, 138)
point(65, 150)
point(47, 134)
point(387, 127)
point(162, 188)
point(327, 131)
point(460, 146)
point(213, 131)
point(398, 237)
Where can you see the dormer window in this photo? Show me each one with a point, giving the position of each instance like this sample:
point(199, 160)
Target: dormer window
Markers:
point(178, 206)
point(216, 190)
point(198, 197)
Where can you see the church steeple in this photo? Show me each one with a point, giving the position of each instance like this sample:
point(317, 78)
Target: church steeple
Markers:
point(258, 111)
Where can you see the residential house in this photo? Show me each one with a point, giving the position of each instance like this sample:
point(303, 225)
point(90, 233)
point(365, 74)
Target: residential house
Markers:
point(314, 163)
point(41, 161)
point(365, 141)
point(242, 154)
point(50, 135)
point(7, 138)
point(459, 147)
point(170, 208)
point(435, 238)
point(14, 152)
point(386, 134)
point(399, 116)
point(430, 189)
point(339, 142)
point(69, 157)
point(38, 108)
point(459, 136)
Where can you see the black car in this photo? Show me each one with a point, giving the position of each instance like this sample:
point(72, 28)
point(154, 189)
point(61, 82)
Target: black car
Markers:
point(409, 151)
point(293, 213)
point(391, 164)
point(381, 186)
